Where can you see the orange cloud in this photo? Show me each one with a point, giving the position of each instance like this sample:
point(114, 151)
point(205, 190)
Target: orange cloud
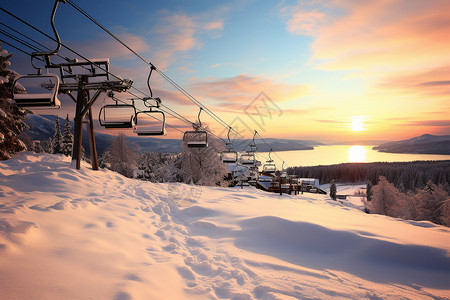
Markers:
point(377, 35)
point(238, 92)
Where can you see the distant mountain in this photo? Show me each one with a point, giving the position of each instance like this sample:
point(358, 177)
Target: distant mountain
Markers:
point(42, 127)
point(424, 144)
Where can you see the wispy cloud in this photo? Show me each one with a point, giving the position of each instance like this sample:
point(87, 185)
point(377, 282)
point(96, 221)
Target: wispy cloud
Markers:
point(238, 92)
point(177, 33)
point(375, 34)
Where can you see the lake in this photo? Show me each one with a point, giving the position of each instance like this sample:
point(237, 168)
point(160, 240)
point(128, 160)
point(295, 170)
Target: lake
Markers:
point(330, 155)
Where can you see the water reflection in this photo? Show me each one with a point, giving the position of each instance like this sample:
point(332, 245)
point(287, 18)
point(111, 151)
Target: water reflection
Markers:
point(357, 154)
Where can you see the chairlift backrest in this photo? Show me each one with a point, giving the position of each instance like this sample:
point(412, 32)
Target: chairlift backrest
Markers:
point(196, 139)
point(269, 168)
point(36, 91)
point(229, 157)
point(247, 159)
point(117, 116)
point(143, 129)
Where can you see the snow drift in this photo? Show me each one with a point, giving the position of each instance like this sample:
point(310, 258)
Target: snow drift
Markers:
point(80, 234)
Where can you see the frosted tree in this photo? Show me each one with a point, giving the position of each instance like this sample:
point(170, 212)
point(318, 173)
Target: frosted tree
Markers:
point(203, 166)
point(386, 200)
point(47, 145)
point(333, 190)
point(67, 139)
point(57, 138)
point(430, 202)
point(37, 147)
point(11, 117)
point(445, 215)
point(120, 157)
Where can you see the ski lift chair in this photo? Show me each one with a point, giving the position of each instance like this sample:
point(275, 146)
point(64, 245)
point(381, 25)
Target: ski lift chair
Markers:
point(247, 159)
point(117, 116)
point(41, 91)
point(196, 138)
point(229, 157)
point(269, 167)
point(148, 130)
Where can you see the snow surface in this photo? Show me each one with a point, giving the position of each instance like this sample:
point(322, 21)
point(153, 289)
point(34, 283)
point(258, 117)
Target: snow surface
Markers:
point(84, 234)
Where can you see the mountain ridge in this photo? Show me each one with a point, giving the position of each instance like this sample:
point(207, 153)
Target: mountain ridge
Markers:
point(42, 127)
point(423, 144)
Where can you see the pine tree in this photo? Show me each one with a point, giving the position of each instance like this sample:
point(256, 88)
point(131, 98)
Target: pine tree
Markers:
point(369, 190)
point(57, 138)
point(37, 147)
point(67, 139)
point(11, 117)
point(47, 145)
point(333, 190)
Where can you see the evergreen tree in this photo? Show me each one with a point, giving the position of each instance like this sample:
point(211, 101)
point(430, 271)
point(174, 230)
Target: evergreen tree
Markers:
point(37, 147)
point(67, 139)
point(333, 190)
point(369, 190)
point(57, 138)
point(11, 117)
point(47, 145)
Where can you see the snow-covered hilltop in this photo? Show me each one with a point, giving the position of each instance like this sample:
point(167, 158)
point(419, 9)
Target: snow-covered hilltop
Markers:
point(83, 234)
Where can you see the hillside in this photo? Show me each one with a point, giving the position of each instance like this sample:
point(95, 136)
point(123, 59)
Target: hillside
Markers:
point(43, 126)
point(424, 144)
point(84, 234)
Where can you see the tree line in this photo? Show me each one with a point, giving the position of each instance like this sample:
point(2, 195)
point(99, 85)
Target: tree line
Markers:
point(405, 176)
point(431, 203)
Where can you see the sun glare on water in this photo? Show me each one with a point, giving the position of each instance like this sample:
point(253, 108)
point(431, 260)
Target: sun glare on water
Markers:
point(358, 123)
point(357, 154)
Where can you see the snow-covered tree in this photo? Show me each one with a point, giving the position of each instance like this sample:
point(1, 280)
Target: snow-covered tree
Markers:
point(369, 190)
point(67, 139)
point(430, 202)
point(333, 190)
point(203, 166)
point(386, 199)
point(158, 167)
point(11, 117)
point(47, 145)
point(57, 138)
point(37, 147)
point(120, 158)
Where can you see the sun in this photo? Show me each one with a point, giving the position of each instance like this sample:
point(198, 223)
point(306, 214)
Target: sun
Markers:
point(358, 123)
point(357, 154)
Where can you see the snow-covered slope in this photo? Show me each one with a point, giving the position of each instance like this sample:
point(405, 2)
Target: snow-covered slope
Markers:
point(83, 234)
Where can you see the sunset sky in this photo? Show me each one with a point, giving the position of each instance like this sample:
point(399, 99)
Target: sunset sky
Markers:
point(338, 70)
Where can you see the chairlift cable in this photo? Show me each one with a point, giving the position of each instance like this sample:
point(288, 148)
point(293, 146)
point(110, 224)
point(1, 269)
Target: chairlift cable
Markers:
point(23, 51)
point(34, 41)
point(178, 87)
point(17, 39)
point(117, 77)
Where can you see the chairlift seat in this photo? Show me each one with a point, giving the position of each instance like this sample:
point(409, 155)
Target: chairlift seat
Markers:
point(229, 157)
point(196, 139)
point(40, 93)
point(145, 130)
point(269, 168)
point(117, 116)
point(248, 159)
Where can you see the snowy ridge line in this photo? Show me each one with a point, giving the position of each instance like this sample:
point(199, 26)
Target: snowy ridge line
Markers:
point(101, 235)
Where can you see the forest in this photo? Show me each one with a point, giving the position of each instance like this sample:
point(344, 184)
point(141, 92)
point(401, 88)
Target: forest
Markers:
point(406, 176)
